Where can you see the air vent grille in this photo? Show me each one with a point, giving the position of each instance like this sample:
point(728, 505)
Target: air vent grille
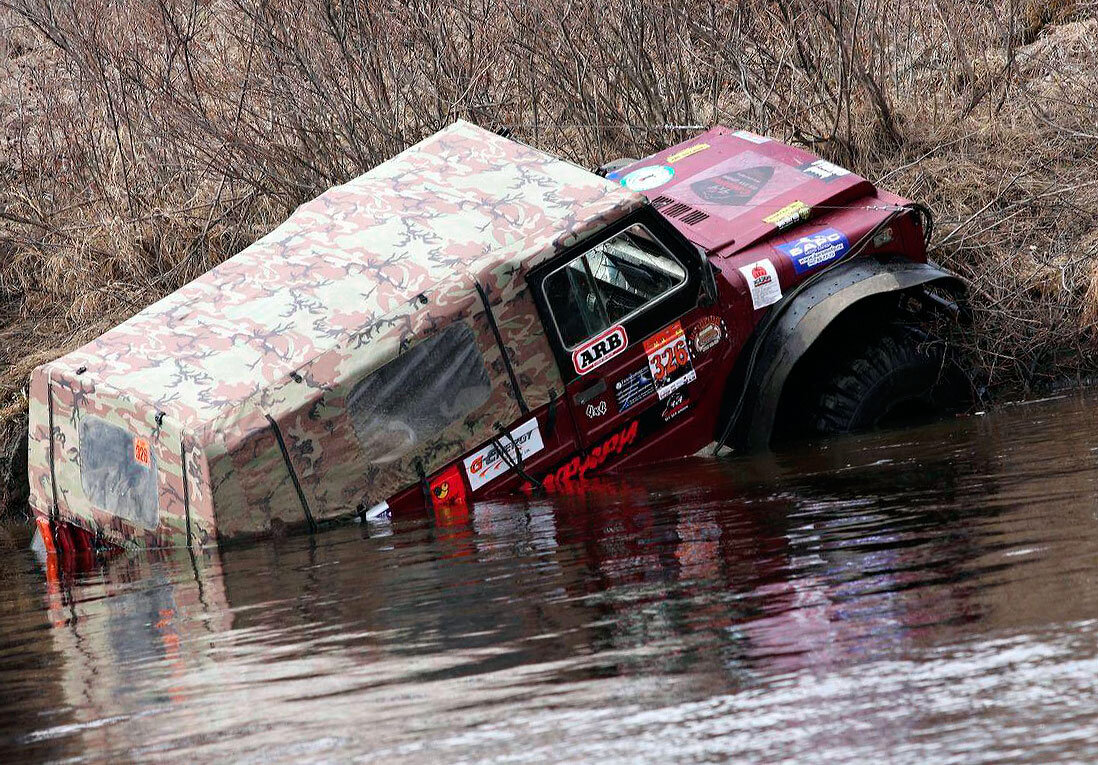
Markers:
point(681, 211)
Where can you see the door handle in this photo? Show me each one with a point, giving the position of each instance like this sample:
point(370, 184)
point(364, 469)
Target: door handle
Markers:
point(591, 392)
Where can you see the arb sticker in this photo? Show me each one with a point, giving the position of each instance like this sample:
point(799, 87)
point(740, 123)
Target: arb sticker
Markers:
point(669, 359)
point(814, 250)
point(600, 349)
point(762, 281)
point(141, 453)
point(645, 178)
point(794, 212)
point(488, 463)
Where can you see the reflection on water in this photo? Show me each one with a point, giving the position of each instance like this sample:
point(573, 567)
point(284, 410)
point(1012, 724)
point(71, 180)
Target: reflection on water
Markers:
point(921, 595)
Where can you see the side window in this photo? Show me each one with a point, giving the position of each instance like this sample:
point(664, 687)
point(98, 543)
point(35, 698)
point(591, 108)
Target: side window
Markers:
point(406, 403)
point(118, 472)
point(609, 283)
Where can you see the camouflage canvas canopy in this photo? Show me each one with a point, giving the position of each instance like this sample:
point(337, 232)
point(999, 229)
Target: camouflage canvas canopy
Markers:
point(229, 407)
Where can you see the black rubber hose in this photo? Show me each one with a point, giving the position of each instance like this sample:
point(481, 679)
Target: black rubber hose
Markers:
point(928, 220)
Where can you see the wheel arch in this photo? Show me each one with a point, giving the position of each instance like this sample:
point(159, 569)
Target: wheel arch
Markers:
point(850, 288)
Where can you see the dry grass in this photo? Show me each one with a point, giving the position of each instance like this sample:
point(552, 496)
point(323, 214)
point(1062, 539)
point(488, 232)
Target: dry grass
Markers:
point(142, 141)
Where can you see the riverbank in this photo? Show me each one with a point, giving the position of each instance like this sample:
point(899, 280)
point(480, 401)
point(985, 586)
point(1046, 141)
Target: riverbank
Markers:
point(143, 146)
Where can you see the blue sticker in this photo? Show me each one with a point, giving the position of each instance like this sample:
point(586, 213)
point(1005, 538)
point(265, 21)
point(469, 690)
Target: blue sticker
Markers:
point(814, 250)
point(634, 388)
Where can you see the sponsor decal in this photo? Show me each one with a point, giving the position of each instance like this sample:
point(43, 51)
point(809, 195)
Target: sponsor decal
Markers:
point(448, 487)
point(645, 178)
point(689, 151)
point(596, 410)
point(762, 281)
point(747, 135)
point(794, 212)
point(600, 349)
point(734, 188)
point(814, 250)
point(634, 388)
point(669, 359)
point(707, 333)
point(676, 404)
point(577, 468)
point(823, 170)
point(487, 464)
point(142, 455)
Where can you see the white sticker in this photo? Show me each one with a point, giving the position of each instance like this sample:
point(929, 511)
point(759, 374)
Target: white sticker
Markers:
point(600, 349)
point(823, 170)
point(487, 463)
point(747, 135)
point(646, 178)
point(762, 280)
point(594, 411)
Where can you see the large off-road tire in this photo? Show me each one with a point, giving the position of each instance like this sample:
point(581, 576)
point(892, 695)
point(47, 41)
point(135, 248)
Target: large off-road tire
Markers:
point(891, 377)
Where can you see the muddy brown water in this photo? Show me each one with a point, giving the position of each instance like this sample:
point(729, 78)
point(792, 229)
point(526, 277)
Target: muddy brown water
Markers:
point(929, 595)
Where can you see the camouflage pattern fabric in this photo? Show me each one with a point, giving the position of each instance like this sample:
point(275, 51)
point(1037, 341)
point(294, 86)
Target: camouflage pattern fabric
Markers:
point(282, 331)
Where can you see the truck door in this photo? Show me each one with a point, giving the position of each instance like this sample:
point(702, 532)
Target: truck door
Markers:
point(619, 310)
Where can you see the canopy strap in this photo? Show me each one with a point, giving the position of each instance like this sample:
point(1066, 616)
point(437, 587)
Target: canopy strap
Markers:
point(503, 350)
point(293, 474)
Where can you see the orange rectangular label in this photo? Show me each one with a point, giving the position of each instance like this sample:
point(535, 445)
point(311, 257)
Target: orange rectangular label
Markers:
point(669, 359)
point(141, 451)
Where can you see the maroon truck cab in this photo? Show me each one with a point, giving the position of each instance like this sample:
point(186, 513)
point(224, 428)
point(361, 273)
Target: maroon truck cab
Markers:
point(683, 324)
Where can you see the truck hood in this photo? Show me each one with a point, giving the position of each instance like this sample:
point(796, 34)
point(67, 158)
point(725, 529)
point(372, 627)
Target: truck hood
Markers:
point(726, 190)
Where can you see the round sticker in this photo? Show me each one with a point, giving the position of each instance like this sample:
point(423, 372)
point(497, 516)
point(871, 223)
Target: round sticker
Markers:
point(647, 178)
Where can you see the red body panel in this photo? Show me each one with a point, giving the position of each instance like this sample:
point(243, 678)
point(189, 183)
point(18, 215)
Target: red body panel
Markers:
point(743, 199)
point(739, 197)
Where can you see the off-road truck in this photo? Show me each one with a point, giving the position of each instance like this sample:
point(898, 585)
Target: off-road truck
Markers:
point(474, 317)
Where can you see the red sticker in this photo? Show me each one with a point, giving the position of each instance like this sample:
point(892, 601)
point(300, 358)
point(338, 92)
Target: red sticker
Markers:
point(575, 471)
point(141, 454)
point(448, 488)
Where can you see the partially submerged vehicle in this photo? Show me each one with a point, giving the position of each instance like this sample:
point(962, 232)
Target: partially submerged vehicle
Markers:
point(474, 317)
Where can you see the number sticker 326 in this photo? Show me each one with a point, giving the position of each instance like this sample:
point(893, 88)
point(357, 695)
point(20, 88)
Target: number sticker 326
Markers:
point(669, 359)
